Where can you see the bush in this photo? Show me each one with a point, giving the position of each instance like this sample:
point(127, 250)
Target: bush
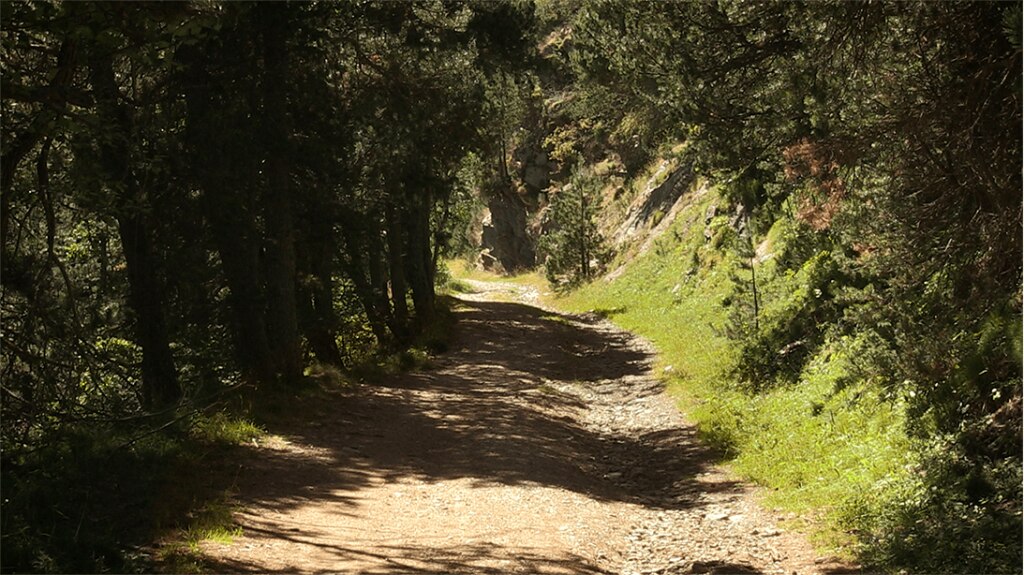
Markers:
point(941, 518)
point(79, 503)
point(792, 313)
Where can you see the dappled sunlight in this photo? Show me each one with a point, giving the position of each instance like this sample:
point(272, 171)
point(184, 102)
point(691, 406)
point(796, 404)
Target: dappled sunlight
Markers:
point(487, 437)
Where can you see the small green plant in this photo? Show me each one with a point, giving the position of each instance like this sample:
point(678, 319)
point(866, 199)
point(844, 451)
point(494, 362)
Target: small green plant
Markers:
point(222, 427)
point(213, 522)
point(778, 316)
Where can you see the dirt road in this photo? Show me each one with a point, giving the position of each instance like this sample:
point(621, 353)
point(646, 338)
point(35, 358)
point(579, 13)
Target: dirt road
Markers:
point(539, 444)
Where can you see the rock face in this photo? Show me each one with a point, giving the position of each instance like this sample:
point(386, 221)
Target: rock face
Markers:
point(659, 199)
point(535, 172)
point(653, 211)
point(507, 245)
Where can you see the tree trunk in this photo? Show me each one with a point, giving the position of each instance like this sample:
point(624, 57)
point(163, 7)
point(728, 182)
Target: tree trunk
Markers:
point(420, 260)
point(584, 224)
point(319, 323)
point(160, 386)
point(396, 267)
point(282, 316)
point(239, 254)
point(23, 144)
point(377, 267)
point(440, 234)
point(369, 291)
point(43, 187)
point(753, 278)
point(234, 231)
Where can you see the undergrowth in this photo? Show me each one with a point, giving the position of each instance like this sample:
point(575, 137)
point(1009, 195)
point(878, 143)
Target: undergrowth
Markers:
point(93, 499)
point(434, 339)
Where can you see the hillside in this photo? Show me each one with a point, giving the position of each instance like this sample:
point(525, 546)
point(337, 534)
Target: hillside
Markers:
point(828, 441)
point(819, 443)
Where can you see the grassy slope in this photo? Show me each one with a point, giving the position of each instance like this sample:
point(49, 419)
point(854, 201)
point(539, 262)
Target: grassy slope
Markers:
point(827, 451)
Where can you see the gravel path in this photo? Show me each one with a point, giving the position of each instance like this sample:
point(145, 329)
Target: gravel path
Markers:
point(540, 444)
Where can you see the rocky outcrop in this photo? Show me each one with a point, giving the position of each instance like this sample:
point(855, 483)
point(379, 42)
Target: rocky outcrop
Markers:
point(659, 199)
point(507, 246)
point(535, 172)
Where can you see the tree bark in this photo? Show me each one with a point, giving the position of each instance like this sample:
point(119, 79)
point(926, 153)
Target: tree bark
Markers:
point(239, 255)
point(377, 267)
point(317, 290)
point(282, 316)
point(753, 278)
point(234, 231)
point(584, 224)
point(420, 260)
point(43, 182)
point(53, 105)
point(371, 292)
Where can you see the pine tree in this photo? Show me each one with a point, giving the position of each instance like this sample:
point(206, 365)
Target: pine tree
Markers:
point(573, 247)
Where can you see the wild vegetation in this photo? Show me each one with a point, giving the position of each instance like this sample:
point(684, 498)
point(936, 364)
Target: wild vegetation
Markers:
point(813, 209)
point(847, 326)
point(202, 200)
point(572, 246)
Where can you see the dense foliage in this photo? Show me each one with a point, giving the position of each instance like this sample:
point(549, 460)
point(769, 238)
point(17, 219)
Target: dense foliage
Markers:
point(199, 197)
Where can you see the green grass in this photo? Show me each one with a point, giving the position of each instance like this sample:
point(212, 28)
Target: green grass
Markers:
point(818, 445)
point(214, 522)
point(672, 298)
point(222, 427)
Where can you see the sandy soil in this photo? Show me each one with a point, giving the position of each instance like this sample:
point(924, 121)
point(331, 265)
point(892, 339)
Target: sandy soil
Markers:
point(540, 444)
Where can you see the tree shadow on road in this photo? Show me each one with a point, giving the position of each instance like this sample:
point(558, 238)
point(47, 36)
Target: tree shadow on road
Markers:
point(495, 412)
point(491, 411)
point(482, 559)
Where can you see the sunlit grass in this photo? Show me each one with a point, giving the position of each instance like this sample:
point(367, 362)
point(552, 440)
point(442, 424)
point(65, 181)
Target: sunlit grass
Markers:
point(213, 523)
point(462, 269)
point(221, 427)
